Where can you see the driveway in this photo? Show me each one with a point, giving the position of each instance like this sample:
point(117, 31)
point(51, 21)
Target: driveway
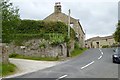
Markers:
point(27, 66)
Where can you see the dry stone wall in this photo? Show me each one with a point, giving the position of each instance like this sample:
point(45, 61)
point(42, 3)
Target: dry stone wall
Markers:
point(39, 48)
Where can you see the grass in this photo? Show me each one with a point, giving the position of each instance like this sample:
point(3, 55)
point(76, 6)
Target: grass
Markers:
point(7, 69)
point(34, 58)
point(0, 69)
point(77, 52)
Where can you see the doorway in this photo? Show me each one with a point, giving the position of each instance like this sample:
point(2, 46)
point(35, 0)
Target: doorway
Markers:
point(97, 44)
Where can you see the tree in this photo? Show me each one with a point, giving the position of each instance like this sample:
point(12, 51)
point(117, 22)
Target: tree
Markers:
point(0, 24)
point(9, 13)
point(117, 33)
point(10, 19)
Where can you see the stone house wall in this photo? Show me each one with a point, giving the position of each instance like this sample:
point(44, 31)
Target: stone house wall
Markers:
point(102, 41)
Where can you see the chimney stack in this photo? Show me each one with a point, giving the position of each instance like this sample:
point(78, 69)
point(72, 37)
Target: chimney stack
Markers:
point(57, 7)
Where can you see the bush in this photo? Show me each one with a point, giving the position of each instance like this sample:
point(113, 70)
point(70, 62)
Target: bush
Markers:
point(105, 46)
point(81, 48)
point(42, 45)
point(56, 39)
point(29, 29)
point(76, 45)
point(13, 55)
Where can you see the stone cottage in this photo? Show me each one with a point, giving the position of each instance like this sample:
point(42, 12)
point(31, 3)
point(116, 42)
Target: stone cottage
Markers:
point(99, 42)
point(57, 15)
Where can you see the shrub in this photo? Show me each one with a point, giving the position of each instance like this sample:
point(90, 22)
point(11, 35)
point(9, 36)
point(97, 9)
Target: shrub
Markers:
point(42, 45)
point(105, 46)
point(29, 29)
point(13, 55)
point(76, 45)
point(56, 39)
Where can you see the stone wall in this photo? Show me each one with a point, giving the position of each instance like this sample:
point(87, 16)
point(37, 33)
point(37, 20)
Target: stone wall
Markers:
point(33, 48)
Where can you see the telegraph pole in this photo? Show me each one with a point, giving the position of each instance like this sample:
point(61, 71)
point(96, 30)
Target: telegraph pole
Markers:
point(69, 23)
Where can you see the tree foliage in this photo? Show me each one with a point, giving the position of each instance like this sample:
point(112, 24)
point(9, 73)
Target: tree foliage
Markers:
point(9, 13)
point(35, 27)
point(117, 33)
point(53, 31)
point(10, 19)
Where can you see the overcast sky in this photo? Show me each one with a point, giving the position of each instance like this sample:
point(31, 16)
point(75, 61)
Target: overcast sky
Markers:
point(97, 17)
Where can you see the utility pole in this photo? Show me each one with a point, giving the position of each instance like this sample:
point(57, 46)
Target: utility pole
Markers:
point(69, 23)
point(85, 39)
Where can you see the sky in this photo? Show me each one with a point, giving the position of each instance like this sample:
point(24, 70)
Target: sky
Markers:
point(97, 17)
point(119, 10)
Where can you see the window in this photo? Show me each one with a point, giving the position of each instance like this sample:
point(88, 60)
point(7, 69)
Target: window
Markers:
point(71, 25)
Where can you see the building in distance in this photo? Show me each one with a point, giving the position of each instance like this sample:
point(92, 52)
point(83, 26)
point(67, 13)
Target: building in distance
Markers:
point(99, 42)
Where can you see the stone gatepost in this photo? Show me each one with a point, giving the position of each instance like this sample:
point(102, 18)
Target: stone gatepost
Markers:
point(5, 55)
point(0, 52)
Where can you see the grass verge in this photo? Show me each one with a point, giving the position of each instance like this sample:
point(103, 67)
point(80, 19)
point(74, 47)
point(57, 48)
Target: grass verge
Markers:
point(7, 69)
point(77, 52)
point(34, 58)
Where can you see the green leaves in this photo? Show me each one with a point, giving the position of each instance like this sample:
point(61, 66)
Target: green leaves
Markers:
point(10, 20)
point(117, 33)
point(56, 38)
point(34, 27)
point(9, 13)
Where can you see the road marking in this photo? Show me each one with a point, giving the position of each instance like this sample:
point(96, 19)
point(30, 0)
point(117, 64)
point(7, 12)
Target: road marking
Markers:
point(62, 77)
point(87, 65)
point(101, 51)
point(93, 61)
point(100, 57)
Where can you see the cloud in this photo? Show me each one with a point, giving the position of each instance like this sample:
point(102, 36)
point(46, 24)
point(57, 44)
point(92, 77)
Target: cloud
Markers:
point(97, 18)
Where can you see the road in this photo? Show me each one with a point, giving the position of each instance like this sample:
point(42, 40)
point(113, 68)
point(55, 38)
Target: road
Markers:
point(93, 63)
